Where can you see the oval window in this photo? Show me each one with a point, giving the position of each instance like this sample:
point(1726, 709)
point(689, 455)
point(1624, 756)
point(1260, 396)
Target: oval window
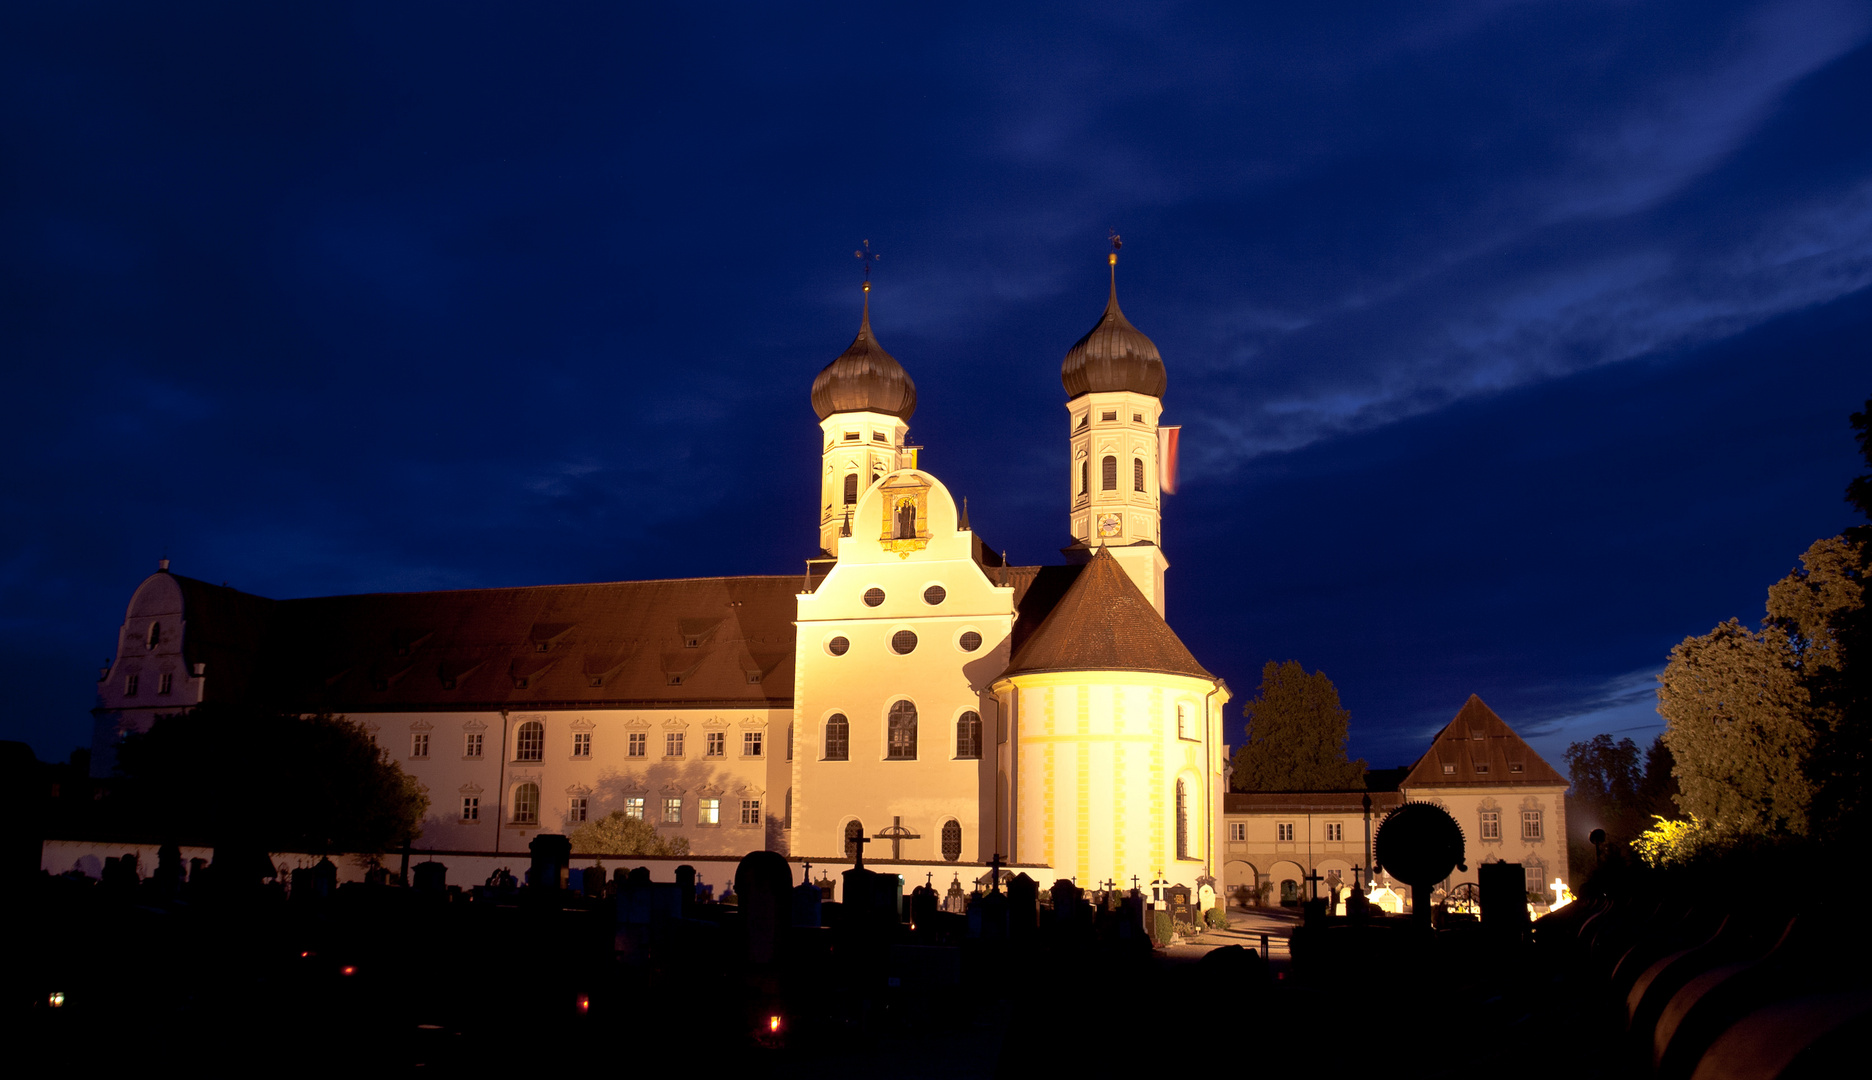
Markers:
point(970, 641)
point(873, 597)
point(837, 646)
point(903, 642)
point(934, 595)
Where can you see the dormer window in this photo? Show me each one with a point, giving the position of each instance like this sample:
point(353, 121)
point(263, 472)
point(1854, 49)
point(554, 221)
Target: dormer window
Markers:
point(155, 634)
point(1514, 767)
point(1449, 769)
point(692, 643)
point(1481, 767)
point(544, 646)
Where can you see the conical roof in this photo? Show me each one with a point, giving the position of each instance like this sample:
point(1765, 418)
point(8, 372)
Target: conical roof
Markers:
point(1114, 355)
point(1104, 623)
point(864, 378)
point(1479, 749)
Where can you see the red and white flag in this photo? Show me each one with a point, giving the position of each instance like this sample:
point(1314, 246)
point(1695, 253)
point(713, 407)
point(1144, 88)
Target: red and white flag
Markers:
point(1167, 458)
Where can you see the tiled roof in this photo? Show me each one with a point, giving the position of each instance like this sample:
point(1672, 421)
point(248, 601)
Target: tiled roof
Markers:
point(1479, 749)
point(696, 642)
point(1103, 623)
point(1263, 802)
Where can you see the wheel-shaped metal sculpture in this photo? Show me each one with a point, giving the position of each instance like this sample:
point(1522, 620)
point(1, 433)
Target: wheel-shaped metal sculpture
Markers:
point(1419, 843)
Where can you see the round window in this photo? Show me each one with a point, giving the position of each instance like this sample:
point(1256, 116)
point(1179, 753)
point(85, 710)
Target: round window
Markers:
point(934, 595)
point(903, 642)
point(970, 641)
point(837, 646)
point(874, 597)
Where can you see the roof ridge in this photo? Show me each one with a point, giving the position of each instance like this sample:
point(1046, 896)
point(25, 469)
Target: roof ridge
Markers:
point(1104, 622)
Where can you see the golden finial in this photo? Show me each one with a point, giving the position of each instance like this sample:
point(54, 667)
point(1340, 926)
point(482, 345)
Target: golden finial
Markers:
point(1116, 243)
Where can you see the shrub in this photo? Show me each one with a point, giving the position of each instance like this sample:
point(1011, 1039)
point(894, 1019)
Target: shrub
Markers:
point(1217, 917)
point(1161, 928)
point(1671, 843)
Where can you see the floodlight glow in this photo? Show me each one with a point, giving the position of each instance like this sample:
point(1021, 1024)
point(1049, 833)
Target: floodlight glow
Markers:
point(55, 999)
point(773, 1023)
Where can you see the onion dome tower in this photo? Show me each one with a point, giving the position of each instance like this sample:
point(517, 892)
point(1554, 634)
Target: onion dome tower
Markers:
point(864, 400)
point(1114, 380)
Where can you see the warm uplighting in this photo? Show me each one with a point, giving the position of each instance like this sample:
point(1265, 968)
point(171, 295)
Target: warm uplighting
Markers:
point(347, 970)
point(56, 1000)
point(773, 1024)
point(584, 1004)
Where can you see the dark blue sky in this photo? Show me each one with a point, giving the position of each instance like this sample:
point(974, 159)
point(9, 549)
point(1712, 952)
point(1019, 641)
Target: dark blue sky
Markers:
point(1512, 342)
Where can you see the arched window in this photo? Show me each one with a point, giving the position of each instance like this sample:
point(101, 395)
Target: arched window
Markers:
point(903, 720)
point(1108, 474)
point(787, 822)
point(526, 804)
point(837, 738)
point(1182, 820)
point(851, 488)
point(1183, 720)
point(969, 735)
point(906, 519)
point(854, 832)
point(952, 840)
point(1085, 475)
point(155, 634)
point(789, 740)
point(1137, 473)
point(530, 742)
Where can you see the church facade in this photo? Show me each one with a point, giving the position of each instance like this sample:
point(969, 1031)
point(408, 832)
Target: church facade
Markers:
point(911, 695)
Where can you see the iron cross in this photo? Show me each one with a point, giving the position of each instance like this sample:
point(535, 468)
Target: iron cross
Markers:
point(867, 256)
point(897, 834)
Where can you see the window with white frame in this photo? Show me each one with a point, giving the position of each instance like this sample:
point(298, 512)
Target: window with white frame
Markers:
point(1183, 721)
point(1530, 825)
point(419, 744)
point(637, 744)
point(1284, 832)
point(634, 806)
point(471, 808)
point(581, 744)
point(708, 812)
point(672, 810)
point(673, 744)
point(1491, 824)
point(750, 744)
point(530, 742)
point(1335, 832)
point(130, 686)
point(969, 735)
point(162, 683)
point(1536, 878)
point(526, 804)
point(471, 744)
point(576, 810)
point(1238, 832)
point(837, 738)
point(750, 811)
point(717, 744)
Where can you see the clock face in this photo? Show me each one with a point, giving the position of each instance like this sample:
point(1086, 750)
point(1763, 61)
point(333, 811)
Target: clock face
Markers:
point(1108, 524)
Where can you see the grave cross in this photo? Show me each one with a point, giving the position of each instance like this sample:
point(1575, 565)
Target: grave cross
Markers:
point(994, 872)
point(897, 834)
point(929, 879)
point(1134, 883)
point(806, 878)
point(1313, 880)
point(1357, 881)
point(858, 845)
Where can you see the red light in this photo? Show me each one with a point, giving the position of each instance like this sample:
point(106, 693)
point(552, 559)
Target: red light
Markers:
point(347, 970)
point(305, 954)
point(584, 1004)
point(773, 1023)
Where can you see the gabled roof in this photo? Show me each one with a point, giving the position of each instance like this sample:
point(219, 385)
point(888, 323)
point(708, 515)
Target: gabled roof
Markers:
point(1479, 749)
point(1104, 623)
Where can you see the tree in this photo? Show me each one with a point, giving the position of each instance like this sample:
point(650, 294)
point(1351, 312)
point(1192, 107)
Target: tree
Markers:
point(619, 834)
point(1296, 735)
point(1842, 757)
point(255, 778)
point(1612, 791)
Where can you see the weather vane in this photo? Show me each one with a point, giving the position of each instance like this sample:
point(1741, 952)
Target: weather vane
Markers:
point(1116, 241)
point(867, 256)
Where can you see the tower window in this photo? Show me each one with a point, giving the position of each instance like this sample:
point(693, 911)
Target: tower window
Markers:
point(1112, 415)
point(838, 646)
point(851, 436)
point(903, 732)
point(904, 642)
point(934, 595)
point(1182, 820)
point(969, 641)
point(1137, 474)
point(878, 436)
point(162, 683)
point(837, 738)
point(130, 686)
point(969, 735)
point(1108, 474)
point(1137, 418)
point(873, 597)
point(851, 488)
point(1085, 477)
point(951, 840)
point(155, 634)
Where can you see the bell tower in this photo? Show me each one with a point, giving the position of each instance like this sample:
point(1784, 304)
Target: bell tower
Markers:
point(1114, 381)
point(864, 400)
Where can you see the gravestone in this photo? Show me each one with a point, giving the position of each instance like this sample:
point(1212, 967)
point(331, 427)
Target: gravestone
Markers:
point(1205, 897)
point(431, 878)
point(1023, 912)
point(923, 908)
point(593, 882)
point(955, 901)
point(763, 884)
point(324, 878)
point(808, 899)
point(1177, 901)
point(552, 858)
point(685, 885)
point(1503, 886)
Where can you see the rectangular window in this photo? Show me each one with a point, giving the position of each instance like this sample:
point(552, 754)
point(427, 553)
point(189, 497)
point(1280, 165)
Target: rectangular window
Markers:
point(419, 744)
point(471, 808)
point(750, 744)
point(162, 683)
point(851, 436)
point(471, 746)
point(879, 436)
point(717, 744)
point(581, 744)
point(1284, 832)
point(708, 812)
point(1137, 418)
point(633, 807)
point(1536, 879)
point(638, 745)
point(1335, 832)
point(672, 744)
point(1530, 825)
point(750, 811)
point(672, 811)
point(1491, 824)
point(576, 811)
point(1113, 415)
point(1481, 766)
point(1449, 768)
point(130, 686)
point(1238, 831)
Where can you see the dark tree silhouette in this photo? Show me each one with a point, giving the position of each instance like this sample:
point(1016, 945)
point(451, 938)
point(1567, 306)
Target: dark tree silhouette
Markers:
point(1296, 735)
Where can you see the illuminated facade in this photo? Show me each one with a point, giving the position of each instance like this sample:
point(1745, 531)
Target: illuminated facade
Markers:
point(911, 690)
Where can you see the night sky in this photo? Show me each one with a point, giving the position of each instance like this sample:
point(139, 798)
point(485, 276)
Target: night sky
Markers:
point(1512, 342)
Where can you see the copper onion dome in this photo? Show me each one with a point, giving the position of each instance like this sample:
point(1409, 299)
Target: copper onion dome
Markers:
point(864, 378)
point(1114, 355)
